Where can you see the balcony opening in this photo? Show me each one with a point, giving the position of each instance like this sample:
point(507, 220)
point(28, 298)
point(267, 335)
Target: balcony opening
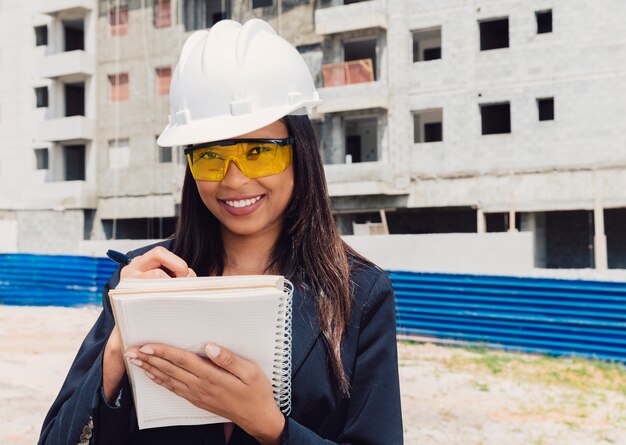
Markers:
point(41, 95)
point(119, 154)
point(361, 140)
point(544, 21)
point(118, 20)
point(163, 79)
point(494, 34)
point(41, 158)
point(74, 99)
point(201, 14)
point(359, 65)
point(569, 239)
point(361, 51)
point(496, 118)
point(41, 35)
point(427, 44)
point(432, 220)
point(500, 222)
point(428, 126)
point(139, 228)
point(74, 34)
point(261, 3)
point(74, 162)
point(614, 223)
point(162, 13)
point(545, 107)
point(118, 84)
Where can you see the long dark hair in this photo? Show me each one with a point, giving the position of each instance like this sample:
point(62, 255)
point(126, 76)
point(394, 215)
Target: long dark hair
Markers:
point(309, 252)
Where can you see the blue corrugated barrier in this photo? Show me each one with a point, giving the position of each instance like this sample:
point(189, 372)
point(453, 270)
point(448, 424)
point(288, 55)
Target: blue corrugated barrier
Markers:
point(552, 316)
point(52, 280)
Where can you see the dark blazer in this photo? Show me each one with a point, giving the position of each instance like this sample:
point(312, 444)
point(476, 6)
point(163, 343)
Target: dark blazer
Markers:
point(319, 415)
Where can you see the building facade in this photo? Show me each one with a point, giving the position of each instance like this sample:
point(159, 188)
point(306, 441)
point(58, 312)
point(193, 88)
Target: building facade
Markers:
point(438, 117)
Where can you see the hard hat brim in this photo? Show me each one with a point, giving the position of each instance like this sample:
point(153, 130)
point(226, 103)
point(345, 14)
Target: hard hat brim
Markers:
point(224, 127)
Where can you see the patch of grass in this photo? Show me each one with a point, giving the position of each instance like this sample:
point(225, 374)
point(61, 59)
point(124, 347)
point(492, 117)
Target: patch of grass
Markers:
point(570, 372)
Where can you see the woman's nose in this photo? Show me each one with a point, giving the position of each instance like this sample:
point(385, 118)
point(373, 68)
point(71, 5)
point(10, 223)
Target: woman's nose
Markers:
point(234, 177)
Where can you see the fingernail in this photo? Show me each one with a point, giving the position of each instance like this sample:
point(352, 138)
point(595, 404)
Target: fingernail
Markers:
point(150, 375)
point(212, 350)
point(147, 350)
point(130, 354)
point(136, 362)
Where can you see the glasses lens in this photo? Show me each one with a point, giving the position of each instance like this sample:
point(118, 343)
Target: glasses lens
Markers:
point(207, 164)
point(265, 159)
point(254, 159)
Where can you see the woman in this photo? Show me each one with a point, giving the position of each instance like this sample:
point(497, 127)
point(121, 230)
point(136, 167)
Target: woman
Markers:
point(254, 202)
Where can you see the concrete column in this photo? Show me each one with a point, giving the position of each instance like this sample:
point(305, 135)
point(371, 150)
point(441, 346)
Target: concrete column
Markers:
point(536, 223)
point(481, 223)
point(599, 238)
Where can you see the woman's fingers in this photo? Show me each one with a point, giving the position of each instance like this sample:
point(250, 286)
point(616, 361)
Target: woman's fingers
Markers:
point(243, 369)
point(158, 258)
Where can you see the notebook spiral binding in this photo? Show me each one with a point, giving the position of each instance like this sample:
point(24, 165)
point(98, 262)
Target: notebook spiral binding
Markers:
point(281, 381)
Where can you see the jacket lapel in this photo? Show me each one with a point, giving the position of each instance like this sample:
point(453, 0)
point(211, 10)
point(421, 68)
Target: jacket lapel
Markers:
point(305, 328)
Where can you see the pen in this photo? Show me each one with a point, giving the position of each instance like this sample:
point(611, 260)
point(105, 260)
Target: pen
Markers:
point(118, 257)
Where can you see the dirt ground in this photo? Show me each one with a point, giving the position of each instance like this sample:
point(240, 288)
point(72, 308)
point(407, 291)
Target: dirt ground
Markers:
point(450, 395)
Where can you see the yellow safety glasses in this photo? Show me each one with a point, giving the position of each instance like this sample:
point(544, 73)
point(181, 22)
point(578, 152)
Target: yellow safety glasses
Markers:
point(254, 157)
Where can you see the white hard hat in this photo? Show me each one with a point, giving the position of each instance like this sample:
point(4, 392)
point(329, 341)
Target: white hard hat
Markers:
point(235, 79)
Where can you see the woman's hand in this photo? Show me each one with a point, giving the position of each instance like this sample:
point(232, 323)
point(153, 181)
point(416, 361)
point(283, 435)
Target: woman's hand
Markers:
point(152, 264)
point(226, 385)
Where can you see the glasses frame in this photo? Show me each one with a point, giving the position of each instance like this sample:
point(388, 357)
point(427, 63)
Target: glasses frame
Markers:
point(226, 142)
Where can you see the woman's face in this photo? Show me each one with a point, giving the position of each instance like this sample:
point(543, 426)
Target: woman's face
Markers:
point(247, 206)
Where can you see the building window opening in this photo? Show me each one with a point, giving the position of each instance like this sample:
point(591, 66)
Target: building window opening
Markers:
point(427, 45)
point(41, 158)
point(165, 155)
point(41, 35)
point(361, 140)
point(119, 154)
point(74, 99)
point(428, 126)
point(494, 34)
point(545, 107)
point(164, 78)
point(118, 87)
point(262, 3)
point(162, 13)
point(139, 228)
point(74, 162)
point(118, 20)
point(544, 21)
point(74, 34)
point(41, 95)
point(496, 118)
point(201, 14)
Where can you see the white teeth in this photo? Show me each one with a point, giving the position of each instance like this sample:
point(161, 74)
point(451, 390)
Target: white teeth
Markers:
point(242, 202)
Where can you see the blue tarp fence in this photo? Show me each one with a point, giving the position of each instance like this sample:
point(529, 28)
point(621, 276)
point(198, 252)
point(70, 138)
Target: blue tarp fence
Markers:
point(545, 315)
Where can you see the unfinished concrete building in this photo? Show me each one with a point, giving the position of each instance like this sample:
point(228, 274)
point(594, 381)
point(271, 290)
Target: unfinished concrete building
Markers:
point(47, 155)
point(486, 116)
point(438, 117)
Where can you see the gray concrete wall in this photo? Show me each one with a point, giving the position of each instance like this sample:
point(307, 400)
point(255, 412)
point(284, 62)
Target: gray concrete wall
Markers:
point(489, 253)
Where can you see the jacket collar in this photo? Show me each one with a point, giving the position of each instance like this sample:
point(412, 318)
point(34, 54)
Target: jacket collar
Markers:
point(305, 328)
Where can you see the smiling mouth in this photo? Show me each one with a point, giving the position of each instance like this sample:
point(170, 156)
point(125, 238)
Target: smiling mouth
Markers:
point(242, 202)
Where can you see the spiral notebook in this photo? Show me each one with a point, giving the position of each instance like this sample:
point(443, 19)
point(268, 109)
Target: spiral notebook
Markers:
point(249, 315)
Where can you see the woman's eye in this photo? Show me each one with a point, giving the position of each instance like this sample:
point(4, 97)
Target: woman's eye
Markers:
point(209, 155)
point(256, 151)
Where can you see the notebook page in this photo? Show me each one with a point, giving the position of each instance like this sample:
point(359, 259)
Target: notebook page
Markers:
point(242, 321)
